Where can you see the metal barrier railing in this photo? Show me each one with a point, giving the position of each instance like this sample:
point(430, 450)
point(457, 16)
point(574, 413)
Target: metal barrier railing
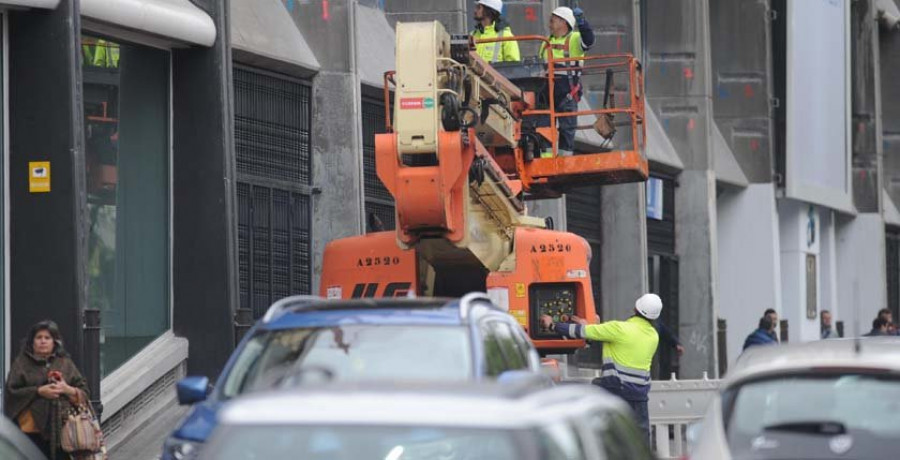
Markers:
point(674, 405)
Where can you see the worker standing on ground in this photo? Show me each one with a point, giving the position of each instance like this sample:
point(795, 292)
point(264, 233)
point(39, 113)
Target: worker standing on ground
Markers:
point(570, 36)
point(490, 24)
point(628, 349)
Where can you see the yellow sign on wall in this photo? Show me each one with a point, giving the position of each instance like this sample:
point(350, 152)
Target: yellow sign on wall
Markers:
point(38, 176)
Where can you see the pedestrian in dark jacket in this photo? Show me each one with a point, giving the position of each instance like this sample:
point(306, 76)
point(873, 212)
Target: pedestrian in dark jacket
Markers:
point(762, 335)
point(879, 328)
point(43, 385)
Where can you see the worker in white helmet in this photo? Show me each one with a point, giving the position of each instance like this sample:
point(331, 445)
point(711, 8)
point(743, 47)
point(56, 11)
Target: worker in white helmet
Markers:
point(628, 349)
point(489, 23)
point(570, 37)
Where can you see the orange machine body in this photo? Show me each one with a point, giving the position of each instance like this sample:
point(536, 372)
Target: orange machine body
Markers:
point(373, 265)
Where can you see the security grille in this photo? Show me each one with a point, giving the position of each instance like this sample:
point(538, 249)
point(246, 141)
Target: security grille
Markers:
point(272, 126)
point(583, 219)
point(378, 199)
point(272, 145)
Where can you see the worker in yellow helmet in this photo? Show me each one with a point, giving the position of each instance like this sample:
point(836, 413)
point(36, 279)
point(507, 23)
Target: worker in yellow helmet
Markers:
point(570, 36)
point(628, 349)
point(490, 24)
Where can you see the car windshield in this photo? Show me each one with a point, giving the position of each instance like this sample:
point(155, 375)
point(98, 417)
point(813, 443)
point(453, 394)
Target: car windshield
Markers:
point(351, 353)
point(361, 443)
point(772, 414)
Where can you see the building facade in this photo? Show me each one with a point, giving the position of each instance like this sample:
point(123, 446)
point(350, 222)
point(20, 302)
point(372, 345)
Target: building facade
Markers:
point(178, 173)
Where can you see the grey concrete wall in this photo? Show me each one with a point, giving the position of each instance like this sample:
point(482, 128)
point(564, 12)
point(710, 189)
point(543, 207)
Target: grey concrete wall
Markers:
point(678, 86)
point(337, 124)
point(741, 82)
point(750, 273)
point(860, 271)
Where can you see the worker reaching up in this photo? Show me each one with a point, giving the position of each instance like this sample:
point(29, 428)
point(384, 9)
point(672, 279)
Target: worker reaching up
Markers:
point(628, 349)
point(570, 36)
point(490, 24)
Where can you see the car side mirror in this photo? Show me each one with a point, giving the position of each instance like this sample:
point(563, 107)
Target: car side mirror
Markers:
point(192, 390)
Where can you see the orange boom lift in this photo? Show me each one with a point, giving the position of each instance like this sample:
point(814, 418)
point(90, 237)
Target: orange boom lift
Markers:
point(460, 158)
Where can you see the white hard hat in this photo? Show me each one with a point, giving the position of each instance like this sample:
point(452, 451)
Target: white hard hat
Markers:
point(566, 14)
point(649, 306)
point(496, 5)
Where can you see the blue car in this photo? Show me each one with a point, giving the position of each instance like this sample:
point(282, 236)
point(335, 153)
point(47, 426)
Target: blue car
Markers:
point(310, 340)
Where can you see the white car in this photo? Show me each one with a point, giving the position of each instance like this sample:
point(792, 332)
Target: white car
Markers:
point(403, 422)
point(831, 399)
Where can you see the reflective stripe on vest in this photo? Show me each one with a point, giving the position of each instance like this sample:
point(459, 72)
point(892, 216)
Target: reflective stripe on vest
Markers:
point(624, 373)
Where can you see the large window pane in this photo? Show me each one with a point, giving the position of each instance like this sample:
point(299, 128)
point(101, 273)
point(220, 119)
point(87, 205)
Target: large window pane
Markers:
point(126, 94)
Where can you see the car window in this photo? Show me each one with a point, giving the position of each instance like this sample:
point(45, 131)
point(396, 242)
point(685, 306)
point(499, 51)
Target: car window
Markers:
point(351, 353)
point(494, 362)
point(560, 441)
point(789, 407)
point(522, 342)
point(512, 355)
point(363, 442)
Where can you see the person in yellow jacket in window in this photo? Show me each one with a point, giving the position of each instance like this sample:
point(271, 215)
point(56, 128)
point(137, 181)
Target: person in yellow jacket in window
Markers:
point(628, 349)
point(490, 24)
point(570, 36)
point(106, 54)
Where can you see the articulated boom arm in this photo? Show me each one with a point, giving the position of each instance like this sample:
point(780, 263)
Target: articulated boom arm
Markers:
point(459, 158)
point(451, 196)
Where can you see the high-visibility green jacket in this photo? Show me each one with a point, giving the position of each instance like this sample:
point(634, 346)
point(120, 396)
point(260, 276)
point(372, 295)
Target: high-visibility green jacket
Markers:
point(628, 349)
point(497, 51)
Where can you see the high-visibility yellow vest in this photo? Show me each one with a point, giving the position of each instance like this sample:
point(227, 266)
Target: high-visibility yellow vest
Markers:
point(498, 51)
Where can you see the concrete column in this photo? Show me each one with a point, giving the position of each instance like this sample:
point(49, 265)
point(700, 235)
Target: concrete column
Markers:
point(678, 76)
point(337, 158)
point(696, 244)
point(624, 253)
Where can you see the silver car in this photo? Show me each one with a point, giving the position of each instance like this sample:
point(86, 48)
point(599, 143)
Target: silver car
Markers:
point(14, 445)
point(832, 399)
point(402, 422)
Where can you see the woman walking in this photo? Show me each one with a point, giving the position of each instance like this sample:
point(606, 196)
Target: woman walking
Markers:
point(42, 387)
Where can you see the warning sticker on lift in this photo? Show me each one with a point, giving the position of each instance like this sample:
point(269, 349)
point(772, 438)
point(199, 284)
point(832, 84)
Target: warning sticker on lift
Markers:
point(408, 103)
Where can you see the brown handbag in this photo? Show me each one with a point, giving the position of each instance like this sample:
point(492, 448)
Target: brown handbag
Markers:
point(81, 434)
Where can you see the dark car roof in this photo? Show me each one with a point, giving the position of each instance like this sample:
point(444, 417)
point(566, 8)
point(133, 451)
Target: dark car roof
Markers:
point(388, 311)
